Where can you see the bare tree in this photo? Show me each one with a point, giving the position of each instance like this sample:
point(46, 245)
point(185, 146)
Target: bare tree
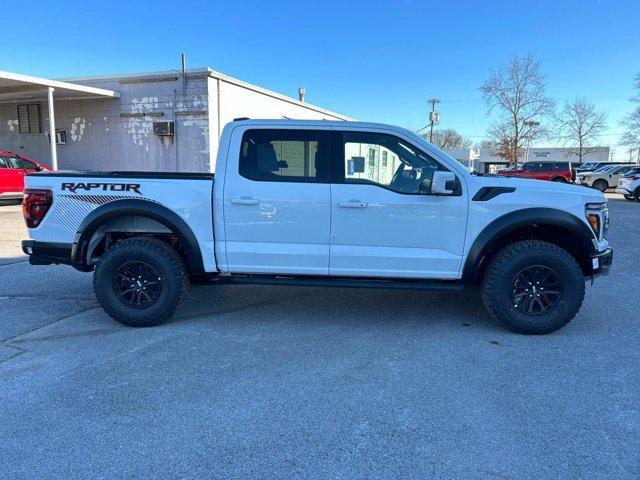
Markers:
point(517, 91)
point(503, 148)
point(631, 136)
point(448, 139)
point(579, 124)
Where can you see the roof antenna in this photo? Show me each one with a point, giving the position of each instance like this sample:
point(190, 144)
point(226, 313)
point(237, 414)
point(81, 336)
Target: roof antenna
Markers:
point(301, 93)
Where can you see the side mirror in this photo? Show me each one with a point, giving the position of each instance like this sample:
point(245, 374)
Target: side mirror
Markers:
point(283, 164)
point(444, 183)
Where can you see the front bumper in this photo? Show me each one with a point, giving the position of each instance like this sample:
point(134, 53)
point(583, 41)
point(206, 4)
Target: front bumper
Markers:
point(583, 182)
point(46, 253)
point(623, 191)
point(601, 262)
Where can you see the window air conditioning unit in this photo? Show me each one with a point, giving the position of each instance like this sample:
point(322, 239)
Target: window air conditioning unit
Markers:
point(163, 129)
point(61, 137)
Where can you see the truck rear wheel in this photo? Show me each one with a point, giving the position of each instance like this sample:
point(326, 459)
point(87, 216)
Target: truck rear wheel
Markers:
point(533, 287)
point(140, 281)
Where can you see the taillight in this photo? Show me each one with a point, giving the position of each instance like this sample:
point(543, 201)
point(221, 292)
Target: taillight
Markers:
point(35, 206)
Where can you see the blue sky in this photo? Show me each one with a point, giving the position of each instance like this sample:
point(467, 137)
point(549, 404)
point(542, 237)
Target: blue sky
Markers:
point(376, 61)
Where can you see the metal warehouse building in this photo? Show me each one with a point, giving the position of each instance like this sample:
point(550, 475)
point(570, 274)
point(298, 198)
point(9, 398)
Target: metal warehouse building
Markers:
point(160, 121)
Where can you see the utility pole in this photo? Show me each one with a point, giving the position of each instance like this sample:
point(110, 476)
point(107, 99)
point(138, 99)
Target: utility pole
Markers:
point(434, 117)
point(530, 124)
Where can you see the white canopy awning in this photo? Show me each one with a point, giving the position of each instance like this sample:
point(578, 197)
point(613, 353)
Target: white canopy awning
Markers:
point(15, 86)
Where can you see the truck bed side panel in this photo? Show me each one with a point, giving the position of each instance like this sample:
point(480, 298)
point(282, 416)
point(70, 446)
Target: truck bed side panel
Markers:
point(74, 197)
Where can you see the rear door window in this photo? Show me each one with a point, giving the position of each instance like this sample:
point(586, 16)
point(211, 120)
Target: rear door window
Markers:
point(285, 155)
point(545, 167)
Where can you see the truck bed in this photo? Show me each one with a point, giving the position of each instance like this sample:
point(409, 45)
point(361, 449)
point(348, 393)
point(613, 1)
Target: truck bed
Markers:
point(83, 197)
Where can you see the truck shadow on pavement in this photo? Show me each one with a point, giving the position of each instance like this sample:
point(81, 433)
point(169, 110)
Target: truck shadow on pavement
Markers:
point(345, 306)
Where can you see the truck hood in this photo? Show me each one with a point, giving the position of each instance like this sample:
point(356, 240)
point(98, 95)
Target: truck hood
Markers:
point(541, 187)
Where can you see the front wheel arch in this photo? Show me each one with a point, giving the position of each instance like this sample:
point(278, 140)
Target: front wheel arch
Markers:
point(548, 224)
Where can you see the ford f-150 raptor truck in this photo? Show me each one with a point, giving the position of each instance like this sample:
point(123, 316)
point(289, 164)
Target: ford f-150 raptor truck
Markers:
point(323, 203)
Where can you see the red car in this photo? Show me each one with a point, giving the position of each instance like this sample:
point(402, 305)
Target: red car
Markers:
point(13, 168)
point(554, 171)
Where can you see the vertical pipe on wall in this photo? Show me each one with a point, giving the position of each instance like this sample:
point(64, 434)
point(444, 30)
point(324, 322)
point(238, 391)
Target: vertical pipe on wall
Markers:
point(52, 130)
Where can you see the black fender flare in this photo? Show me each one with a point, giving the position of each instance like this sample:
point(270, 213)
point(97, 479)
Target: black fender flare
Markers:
point(140, 208)
point(512, 221)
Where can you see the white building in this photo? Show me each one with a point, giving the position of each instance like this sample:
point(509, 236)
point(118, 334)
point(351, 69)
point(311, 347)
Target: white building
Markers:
point(157, 121)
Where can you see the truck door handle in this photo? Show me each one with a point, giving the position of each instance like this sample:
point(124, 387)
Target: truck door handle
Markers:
point(245, 201)
point(353, 204)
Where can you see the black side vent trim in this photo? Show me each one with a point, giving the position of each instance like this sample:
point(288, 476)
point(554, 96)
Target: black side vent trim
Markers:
point(487, 193)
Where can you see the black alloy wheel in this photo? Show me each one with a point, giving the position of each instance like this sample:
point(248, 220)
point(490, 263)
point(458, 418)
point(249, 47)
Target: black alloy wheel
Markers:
point(137, 284)
point(536, 290)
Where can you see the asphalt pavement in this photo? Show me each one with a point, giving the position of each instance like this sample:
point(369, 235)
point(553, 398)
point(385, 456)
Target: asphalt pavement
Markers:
point(289, 382)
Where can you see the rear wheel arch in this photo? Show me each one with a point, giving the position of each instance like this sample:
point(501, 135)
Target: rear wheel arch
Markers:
point(548, 224)
point(157, 214)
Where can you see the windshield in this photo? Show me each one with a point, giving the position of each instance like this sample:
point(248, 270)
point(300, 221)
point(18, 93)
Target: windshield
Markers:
point(605, 168)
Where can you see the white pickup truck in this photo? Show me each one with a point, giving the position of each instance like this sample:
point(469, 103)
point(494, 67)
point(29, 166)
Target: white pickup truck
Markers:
point(323, 203)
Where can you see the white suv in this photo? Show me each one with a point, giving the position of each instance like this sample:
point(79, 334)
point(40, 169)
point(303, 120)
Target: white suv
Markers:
point(604, 177)
point(629, 184)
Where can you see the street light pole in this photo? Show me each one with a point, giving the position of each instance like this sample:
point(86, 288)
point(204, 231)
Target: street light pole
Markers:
point(434, 117)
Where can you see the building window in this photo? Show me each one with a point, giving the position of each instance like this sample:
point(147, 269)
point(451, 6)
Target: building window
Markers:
point(384, 159)
point(29, 118)
point(372, 157)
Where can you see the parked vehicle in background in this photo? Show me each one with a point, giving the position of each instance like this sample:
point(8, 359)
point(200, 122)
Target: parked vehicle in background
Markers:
point(603, 178)
point(591, 166)
point(629, 184)
point(13, 168)
point(343, 204)
point(554, 171)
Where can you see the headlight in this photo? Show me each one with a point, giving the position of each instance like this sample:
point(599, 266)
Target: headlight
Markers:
point(598, 217)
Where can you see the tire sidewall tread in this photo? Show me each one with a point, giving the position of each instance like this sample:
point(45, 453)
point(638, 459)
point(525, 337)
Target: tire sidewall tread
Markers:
point(163, 258)
point(503, 267)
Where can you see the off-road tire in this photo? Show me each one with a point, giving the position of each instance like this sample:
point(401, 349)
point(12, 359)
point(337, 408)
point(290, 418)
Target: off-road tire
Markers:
point(559, 179)
point(631, 198)
point(172, 271)
point(504, 267)
point(601, 185)
point(637, 194)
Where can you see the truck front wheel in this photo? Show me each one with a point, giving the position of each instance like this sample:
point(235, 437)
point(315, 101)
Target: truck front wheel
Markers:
point(140, 281)
point(533, 287)
point(601, 185)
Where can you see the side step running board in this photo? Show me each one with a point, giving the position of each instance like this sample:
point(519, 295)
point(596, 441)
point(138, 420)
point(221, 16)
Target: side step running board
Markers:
point(343, 282)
